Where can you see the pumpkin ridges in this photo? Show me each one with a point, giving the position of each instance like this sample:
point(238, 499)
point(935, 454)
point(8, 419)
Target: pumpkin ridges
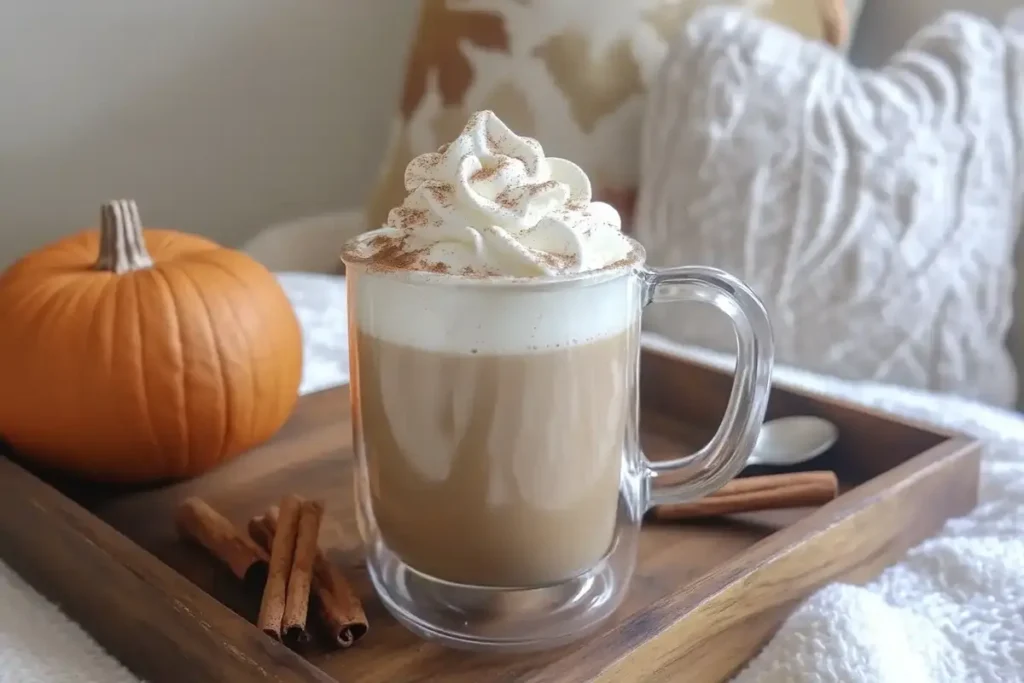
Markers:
point(252, 415)
point(227, 404)
point(275, 393)
point(233, 409)
point(140, 452)
point(179, 452)
point(34, 302)
point(92, 418)
point(141, 361)
point(203, 407)
point(269, 292)
point(70, 413)
point(50, 418)
point(24, 296)
point(79, 405)
point(58, 399)
point(124, 373)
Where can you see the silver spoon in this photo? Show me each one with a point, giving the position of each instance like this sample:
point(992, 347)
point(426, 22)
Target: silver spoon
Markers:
point(792, 440)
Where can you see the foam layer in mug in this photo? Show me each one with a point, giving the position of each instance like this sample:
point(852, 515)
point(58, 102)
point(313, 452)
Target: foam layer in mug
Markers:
point(493, 320)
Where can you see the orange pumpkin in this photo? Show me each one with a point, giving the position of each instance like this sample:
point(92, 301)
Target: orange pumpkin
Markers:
point(136, 356)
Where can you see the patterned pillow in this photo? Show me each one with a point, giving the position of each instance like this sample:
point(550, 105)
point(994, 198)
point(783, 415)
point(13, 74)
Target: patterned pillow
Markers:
point(571, 73)
point(874, 212)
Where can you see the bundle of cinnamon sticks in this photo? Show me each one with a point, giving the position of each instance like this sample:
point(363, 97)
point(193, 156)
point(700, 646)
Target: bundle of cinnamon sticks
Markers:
point(280, 555)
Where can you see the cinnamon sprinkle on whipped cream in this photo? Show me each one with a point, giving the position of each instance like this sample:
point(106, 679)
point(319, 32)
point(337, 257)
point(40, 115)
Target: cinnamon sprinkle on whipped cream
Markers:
point(491, 204)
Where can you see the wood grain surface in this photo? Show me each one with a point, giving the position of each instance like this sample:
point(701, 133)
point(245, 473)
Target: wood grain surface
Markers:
point(705, 596)
point(159, 624)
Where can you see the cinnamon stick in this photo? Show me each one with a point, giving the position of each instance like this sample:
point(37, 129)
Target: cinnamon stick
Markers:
point(282, 553)
point(296, 606)
point(336, 604)
point(199, 522)
point(767, 482)
point(753, 494)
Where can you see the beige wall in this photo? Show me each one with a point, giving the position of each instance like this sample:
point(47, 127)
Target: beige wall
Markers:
point(218, 117)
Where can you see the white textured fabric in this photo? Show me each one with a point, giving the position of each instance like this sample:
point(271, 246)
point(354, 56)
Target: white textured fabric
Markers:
point(949, 613)
point(38, 644)
point(320, 304)
point(874, 212)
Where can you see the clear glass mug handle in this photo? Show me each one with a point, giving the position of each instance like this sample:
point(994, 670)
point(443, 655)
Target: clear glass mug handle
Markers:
point(694, 476)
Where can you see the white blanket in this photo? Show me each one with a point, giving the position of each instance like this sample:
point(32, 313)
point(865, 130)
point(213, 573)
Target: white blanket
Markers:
point(952, 611)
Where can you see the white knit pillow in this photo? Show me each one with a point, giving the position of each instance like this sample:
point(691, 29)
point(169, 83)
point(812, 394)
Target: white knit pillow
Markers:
point(875, 212)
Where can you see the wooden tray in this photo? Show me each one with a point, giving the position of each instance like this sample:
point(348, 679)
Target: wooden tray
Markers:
point(705, 597)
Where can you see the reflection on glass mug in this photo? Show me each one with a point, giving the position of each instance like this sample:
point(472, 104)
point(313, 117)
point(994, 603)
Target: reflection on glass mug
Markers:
point(494, 340)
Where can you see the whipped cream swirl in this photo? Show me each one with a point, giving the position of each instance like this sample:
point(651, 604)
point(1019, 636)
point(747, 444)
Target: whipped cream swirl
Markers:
point(490, 203)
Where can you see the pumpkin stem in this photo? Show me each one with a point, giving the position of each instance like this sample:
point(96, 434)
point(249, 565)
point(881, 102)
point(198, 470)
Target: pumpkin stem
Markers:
point(122, 245)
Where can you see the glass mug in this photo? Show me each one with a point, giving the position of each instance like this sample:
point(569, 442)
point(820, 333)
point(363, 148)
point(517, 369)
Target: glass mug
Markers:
point(499, 482)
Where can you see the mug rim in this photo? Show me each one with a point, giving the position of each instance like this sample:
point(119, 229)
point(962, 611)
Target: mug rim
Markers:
point(630, 264)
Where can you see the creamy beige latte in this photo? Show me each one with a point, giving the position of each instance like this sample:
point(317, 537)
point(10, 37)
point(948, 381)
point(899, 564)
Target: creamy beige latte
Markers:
point(494, 323)
point(496, 469)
